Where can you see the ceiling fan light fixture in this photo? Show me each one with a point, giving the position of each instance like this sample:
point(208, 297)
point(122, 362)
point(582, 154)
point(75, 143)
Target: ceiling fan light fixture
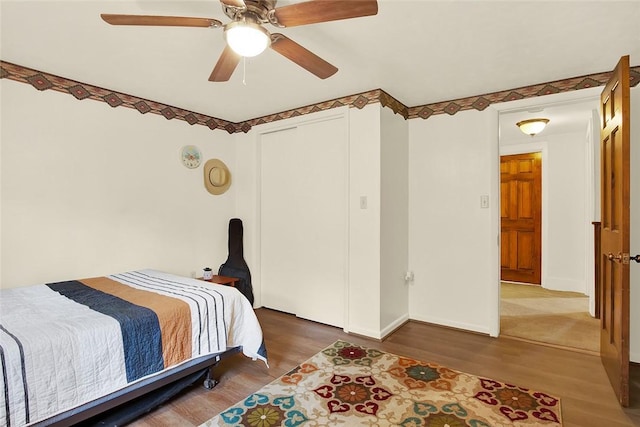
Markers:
point(246, 38)
point(532, 126)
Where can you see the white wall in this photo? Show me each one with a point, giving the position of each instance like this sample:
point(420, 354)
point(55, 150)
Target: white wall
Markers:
point(89, 190)
point(245, 184)
point(364, 224)
point(394, 220)
point(453, 161)
point(565, 261)
point(1, 108)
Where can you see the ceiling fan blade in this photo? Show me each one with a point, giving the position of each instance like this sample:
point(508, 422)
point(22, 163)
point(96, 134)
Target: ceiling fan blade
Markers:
point(301, 56)
point(225, 66)
point(234, 3)
point(165, 21)
point(315, 11)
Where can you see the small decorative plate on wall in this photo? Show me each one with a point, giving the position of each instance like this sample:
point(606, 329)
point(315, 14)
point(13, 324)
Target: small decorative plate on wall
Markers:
point(190, 156)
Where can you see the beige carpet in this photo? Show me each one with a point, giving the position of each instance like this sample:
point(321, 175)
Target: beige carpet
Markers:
point(558, 318)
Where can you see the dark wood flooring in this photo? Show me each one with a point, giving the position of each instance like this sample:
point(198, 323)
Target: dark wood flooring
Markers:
point(577, 378)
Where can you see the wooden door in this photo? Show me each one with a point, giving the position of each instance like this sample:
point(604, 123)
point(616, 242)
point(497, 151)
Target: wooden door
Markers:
point(614, 238)
point(521, 217)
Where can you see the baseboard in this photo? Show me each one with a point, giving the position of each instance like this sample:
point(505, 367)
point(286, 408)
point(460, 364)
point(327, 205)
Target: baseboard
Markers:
point(468, 327)
point(397, 324)
point(366, 333)
point(634, 358)
point(561, 284)
point(381, 334)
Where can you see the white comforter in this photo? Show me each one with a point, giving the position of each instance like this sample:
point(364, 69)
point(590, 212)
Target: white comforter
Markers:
point(57, 352)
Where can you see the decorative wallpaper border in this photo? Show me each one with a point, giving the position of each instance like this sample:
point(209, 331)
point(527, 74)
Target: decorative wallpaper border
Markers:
point(483, 101)
point(44, 81)
point(359, 101)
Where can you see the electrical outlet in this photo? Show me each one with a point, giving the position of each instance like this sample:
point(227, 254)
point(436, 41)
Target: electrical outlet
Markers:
point(363, 202)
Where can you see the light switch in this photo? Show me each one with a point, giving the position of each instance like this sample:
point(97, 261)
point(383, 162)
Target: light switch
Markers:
point(484, 201)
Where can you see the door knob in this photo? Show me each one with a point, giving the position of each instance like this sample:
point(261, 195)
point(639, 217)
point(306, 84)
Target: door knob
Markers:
point(624, 258)
point(612, 257)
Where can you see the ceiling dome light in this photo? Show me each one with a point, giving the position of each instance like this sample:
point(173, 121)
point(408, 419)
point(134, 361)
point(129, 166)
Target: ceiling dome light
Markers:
point(246, 38)
point(532, 126)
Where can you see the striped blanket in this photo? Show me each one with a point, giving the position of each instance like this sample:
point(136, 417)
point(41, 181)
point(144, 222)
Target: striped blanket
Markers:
point(64, 344)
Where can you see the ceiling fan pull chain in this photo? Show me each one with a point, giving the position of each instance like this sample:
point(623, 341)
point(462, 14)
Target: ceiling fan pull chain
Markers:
point(244, 70)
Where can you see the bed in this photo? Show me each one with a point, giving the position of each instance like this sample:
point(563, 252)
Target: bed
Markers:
point(70, 350)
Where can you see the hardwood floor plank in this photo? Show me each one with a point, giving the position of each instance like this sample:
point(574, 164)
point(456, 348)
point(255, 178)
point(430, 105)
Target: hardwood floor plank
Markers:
point(577, 378)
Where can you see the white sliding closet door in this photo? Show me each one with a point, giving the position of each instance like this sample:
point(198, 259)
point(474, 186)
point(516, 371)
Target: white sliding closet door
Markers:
point(303, 216)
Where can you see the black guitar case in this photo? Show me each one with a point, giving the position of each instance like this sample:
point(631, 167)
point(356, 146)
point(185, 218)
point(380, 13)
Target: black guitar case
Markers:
point(235, 265)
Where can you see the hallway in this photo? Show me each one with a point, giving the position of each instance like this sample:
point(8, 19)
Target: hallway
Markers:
point(560, 319)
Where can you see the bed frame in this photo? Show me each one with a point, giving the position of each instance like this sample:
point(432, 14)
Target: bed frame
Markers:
point(139, 398)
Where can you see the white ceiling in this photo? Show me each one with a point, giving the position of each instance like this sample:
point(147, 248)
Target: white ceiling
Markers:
point(418, 51)
point(564, 117)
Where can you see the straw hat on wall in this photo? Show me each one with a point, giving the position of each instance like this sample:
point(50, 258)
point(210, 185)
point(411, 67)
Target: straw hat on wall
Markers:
point(217, 178)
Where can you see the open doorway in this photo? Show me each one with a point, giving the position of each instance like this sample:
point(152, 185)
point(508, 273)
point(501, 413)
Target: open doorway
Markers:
point(558, 308)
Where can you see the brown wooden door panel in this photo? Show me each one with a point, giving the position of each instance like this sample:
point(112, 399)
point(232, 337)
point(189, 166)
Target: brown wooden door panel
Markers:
point(505, 250)
point(521, 216)
point(526, 200)
point(505, 167)
point(614, 233)
point(526, 166)
point(517, 259)
point(526, 256)
point(597, 272)
point(505, 196)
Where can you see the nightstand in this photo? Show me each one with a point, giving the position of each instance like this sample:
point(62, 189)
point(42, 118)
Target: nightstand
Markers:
point(222, 280)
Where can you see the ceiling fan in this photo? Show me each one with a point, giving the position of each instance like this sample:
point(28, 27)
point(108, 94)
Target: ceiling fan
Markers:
point(246, 36)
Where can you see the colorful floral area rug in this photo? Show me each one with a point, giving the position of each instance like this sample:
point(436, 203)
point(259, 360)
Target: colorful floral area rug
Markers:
point(348, 385)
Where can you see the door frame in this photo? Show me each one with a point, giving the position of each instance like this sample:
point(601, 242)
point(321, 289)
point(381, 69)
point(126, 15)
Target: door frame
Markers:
point(583, 95)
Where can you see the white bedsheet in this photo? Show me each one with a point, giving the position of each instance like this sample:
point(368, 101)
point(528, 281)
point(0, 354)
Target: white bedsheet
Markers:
point(57, 354)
